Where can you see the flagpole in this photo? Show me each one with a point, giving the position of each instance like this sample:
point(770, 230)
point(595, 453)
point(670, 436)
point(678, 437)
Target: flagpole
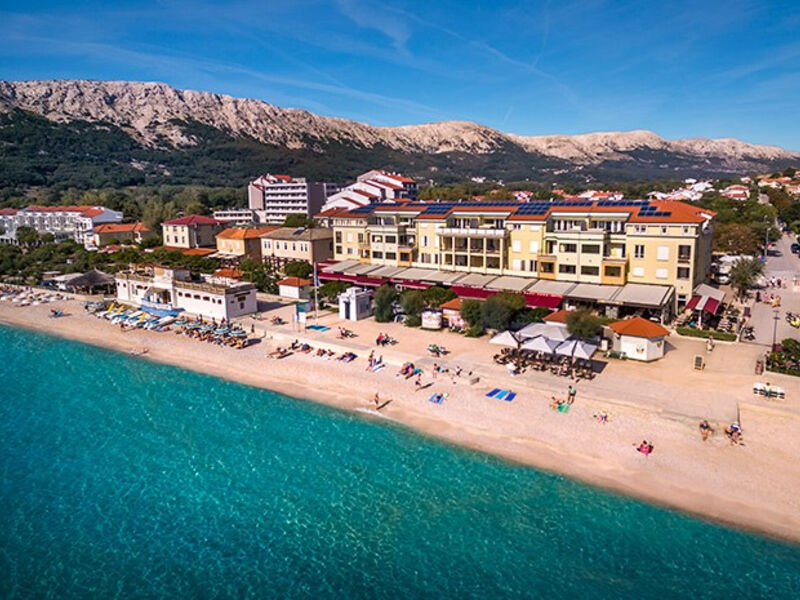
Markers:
point(316, 295)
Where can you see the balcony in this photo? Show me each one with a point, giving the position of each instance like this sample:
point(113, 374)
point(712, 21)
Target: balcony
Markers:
point(480, 232)
point(684, 259)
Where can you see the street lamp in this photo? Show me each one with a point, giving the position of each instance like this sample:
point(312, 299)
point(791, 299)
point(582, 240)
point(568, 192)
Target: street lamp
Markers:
point(775, 319)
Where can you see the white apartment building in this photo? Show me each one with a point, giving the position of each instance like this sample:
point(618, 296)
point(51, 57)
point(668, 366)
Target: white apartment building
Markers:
point(235, 216)
point(275, 197)
point(373, 187)
point(63, 222)
point(164, 290)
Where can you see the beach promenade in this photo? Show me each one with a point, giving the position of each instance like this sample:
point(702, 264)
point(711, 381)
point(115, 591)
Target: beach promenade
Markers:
point(752, 485)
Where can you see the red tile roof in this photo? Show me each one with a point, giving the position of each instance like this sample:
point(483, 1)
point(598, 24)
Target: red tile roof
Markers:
point(229, 273)
point(294, 282)
point(454, 304)
point(121, 228)
point(8, 211)
point(639, 327)
point(560, 316)
point(244, 233)
point(192, 220)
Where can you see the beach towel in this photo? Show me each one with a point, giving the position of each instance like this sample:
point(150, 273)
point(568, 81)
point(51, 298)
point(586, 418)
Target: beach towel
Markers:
point(437, 398)
point(563, 408)
point(510, 397)
point(494, 392)
point(502, 394)
point(377, 368)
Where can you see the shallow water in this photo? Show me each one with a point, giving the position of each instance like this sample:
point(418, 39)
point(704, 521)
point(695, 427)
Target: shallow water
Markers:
point(123, 478)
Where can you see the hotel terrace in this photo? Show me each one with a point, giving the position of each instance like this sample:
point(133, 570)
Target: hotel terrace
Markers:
point(642, 255)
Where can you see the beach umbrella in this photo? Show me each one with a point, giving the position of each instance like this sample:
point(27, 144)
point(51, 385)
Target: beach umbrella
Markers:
point(566, 348)
point(584, 349)
point(505, 338)
point(541, 344)
point(548, 330)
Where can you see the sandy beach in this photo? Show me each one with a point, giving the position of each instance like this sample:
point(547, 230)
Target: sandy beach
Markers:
point(752, 486)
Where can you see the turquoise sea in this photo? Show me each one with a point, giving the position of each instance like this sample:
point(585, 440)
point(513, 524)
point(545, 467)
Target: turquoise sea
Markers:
point(121, 478)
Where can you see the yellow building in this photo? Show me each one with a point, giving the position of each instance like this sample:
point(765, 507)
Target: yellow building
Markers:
point(241, 242)
point(585, 250)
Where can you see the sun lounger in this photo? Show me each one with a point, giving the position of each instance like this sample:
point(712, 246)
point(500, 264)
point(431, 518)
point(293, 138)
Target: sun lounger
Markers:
point(510, 397)
point(493, 393)
point(502, 394)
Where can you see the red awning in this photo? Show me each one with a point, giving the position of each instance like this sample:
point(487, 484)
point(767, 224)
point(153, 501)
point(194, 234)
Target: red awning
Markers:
point(414, 285)
point(472, 293)
point(533, 299)
point(356, 279)
point(711, 306)
point(693, 302)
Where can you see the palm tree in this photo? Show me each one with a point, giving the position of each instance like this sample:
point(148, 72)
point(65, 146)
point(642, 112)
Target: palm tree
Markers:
point(744, 274)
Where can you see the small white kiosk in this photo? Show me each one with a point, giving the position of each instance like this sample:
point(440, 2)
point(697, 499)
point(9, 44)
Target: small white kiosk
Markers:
point(639, 338)
point(355, 304)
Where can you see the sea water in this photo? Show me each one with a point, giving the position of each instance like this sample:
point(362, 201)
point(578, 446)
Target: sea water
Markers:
point(124, 478)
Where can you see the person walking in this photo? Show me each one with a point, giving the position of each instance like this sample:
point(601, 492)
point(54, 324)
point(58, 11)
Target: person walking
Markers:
point(571, 392)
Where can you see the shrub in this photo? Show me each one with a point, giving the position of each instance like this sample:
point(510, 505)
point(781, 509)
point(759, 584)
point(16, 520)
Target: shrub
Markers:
point(413, 321)
point(498, 313)
point(704, 333)
point(583, 324)
point(437, 295)
point(298, 268)
point(475, 331)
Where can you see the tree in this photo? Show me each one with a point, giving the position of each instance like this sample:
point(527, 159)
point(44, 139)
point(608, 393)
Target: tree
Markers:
point(27, 236)
point(498, 312)
point(385, 297)
point(437, 295)
point(734, 238)
point(583, 324)
point(298, 268)
point(299, 220)
point(744, 274)
point(331, 290)
point(413, 303)
point(472, 312)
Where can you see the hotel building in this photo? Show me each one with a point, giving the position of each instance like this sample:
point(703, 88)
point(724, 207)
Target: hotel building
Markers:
point(287, 244)
point(372, 187)
point(63, 222)
point(241, 242)
point(274, 197)
point(616, 253)
point(164, 290)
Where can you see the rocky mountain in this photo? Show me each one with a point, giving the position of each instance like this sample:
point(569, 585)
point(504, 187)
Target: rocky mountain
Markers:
point(154, 132)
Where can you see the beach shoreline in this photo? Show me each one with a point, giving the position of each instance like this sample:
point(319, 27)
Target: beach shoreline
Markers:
point(762, 484)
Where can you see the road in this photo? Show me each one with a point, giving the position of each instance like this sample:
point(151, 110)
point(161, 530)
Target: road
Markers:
point(784, 265)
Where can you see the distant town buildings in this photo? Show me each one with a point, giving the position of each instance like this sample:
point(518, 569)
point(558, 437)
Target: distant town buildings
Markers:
point(63, 222)
point(191, 231)
point(274, 197)
point(736, 192)
point(372, 187)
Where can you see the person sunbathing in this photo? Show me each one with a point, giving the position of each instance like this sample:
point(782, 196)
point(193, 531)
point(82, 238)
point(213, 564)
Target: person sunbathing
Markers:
point(645, 448)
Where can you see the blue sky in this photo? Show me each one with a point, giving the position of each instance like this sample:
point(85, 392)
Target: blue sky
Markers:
point(679, 68)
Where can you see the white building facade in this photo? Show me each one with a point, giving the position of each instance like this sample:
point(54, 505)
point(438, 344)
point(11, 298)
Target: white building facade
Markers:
point(168, 291)
point(274, 197)
point(63, 222)
point(373, 187)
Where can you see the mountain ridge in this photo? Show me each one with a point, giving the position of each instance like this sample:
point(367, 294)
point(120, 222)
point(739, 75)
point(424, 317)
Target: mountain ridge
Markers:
point(156, 116)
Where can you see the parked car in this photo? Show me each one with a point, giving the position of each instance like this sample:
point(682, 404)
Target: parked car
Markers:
point(795, 248)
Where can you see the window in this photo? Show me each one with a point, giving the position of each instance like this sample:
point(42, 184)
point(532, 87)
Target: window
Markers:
point(516, 245)
point(590, 270)
point(683, 272)
point(686, 230)
point(349, 237)
point(613, 271)
point(391, 255)
point(377, 239)
point(662, 274)
point(684, 252)
point(566, 269)
point(424, 240)
point(534, 247)
point(662, 253)
point(516, 226)
point(360, 238)
point(516, 264)
point(568, 248)
point(377, 254)
point(637, 271)
point(338, 249)
point(638, 251)
point(663, 230)
point(390, 239)
point(590, 249)
point(640, 229)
